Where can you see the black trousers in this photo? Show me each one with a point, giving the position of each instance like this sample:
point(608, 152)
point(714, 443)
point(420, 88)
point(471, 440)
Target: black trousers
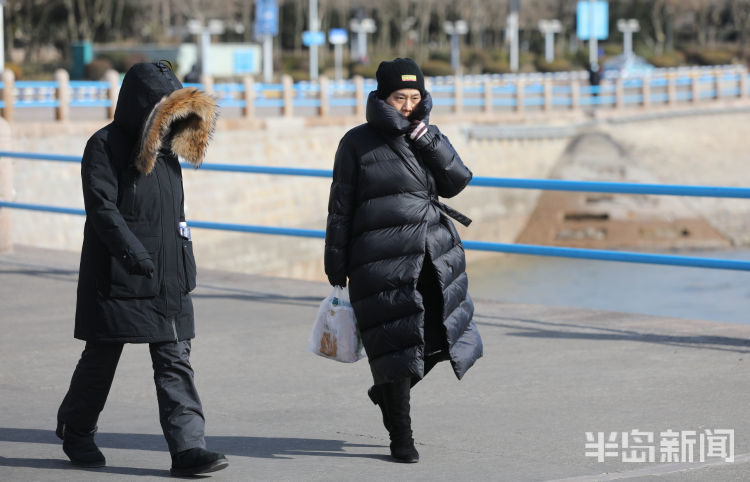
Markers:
point(180, 411)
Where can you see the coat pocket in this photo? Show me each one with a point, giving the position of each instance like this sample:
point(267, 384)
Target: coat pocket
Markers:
point(122, 284)
point(188, 259)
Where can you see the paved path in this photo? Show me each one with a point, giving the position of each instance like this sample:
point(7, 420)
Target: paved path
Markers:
point(549, 375)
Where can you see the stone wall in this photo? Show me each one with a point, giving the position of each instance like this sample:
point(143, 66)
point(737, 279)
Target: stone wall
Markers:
point(288, 201)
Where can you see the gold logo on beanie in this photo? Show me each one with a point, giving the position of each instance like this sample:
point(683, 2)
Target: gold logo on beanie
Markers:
point(408, 78)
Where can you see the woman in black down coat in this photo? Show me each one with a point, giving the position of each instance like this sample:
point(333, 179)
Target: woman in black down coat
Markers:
point(391, 236)
point(137, 266)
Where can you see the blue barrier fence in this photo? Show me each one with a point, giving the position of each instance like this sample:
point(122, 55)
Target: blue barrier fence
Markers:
point(541, 184)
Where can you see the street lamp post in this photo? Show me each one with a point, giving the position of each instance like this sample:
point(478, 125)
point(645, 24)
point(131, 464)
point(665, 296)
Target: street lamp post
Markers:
point(627, 27)
point(512, 33)
point(338, 37)
point(549, 28)
point(362, 27)
point(205, 31)
point(314, 47)
point(454, 29)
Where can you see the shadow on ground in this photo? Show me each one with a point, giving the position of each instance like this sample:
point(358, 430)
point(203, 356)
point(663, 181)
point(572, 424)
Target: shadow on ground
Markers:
point(260, 447)
point(544, 329)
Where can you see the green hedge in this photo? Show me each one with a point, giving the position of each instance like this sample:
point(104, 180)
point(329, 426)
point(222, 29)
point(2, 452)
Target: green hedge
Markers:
point(557, 65)
point(433, 68)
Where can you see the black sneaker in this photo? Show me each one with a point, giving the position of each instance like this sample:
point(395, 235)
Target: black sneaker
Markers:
point(80, 447)
point(197, 461)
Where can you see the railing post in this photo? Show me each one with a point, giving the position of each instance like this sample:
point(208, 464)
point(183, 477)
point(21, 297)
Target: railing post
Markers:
point(6, 189)
point(619, 93)
point(113, 78)
point(9, 88)
point(458, 94)
point(288, 95)
point(359, 96)
point(488, 96)
point(646, 92)
point(742, 83)
point(547, 95)
point(718, 83)
point(695, 86)
point(62, 113)
point(249, 96)
point(575, 95)
point(519, 94)
point(671, 89)
point(208, 84)
point(324, 97)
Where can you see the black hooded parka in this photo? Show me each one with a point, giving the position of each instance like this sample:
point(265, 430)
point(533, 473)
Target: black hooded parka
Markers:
point(384, 223)
point(133, 195)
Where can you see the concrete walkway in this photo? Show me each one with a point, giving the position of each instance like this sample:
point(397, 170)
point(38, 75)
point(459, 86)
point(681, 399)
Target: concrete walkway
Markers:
point(549, 375)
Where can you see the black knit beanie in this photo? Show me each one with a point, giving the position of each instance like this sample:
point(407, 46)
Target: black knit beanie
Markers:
point(398, 74)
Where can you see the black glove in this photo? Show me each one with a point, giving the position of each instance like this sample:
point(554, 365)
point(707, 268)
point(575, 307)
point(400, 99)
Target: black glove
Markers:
point(143, 267)
point(337, 281)
point(419, 134)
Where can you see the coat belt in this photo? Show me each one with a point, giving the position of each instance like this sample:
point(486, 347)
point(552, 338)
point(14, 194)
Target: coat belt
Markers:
point(449, 211)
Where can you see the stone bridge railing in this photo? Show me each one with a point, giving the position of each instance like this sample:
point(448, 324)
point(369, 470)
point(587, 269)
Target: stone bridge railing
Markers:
point(64, 100)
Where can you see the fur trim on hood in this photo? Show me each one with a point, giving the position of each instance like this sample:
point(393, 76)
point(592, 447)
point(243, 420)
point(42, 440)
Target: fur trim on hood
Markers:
point(186, 119)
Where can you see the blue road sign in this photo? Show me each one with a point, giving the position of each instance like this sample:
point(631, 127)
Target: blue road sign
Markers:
point(599, 22)
point(313, 38)
point(337, 36)
point(266, 17)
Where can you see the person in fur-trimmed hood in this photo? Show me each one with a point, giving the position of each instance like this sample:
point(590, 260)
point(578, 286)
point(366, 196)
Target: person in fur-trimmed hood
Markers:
point(390, 235)
point(137, 266)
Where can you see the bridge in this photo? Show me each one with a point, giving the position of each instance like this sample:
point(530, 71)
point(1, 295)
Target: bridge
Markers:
point(561, 394)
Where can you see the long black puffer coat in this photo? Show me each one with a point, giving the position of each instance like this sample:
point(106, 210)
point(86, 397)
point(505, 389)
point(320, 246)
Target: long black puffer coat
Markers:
point(132, 190)
point(384, 223)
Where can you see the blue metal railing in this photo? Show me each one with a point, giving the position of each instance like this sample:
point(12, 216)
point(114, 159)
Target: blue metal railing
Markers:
point(542, 184)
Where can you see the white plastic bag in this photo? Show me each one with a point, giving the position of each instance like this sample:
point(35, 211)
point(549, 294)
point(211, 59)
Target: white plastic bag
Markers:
point(334, 334)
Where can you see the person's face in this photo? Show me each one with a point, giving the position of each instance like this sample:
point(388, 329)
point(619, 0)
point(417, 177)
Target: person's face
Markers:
point(404, 100)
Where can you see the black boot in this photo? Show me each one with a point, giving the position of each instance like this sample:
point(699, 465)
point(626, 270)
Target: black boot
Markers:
point(197, 461)
point(396, 397)
point(376, 395)
point(80, 447)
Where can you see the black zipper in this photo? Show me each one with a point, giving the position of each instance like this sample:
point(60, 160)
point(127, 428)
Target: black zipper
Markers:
point(161, 248)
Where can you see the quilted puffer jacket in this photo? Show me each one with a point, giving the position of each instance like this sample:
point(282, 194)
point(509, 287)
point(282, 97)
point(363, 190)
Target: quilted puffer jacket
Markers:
point(385, 225)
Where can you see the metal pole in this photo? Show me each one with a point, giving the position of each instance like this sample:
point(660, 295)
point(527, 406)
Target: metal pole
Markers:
point(313, 48)
point(593, 46)
point(362, 45)
point(513, 28)
point(338, 60)
point(454, 52)
point(549, 46)
point(627, 39)
point(267, 58)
